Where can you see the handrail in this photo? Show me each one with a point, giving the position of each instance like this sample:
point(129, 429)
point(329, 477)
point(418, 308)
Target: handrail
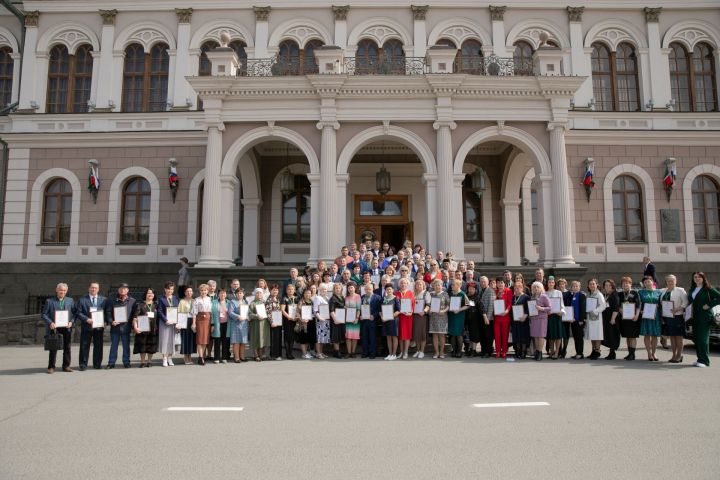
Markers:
point(20, 318)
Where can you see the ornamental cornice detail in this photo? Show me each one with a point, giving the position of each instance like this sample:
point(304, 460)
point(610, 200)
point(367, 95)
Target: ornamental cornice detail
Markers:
point(31, 18)
point(341, 11)
point(652, 15)
point(262, 14)
point(108, 16)
point(575, 13)
point(184, 15)
point(419, 11)
point(497, 14)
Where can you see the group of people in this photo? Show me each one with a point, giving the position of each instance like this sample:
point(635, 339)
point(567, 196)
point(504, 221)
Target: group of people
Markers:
point(369, 293)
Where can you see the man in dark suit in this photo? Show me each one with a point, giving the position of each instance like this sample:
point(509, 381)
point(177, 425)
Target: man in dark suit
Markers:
point(649, 269)
point(92, 302)
point(120, 330)
point(60, 303)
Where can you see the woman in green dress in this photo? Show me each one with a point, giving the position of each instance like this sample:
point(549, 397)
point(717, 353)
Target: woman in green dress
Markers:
point(456, 318)
point(650, 327)
point(703, 298)
point(259, 327)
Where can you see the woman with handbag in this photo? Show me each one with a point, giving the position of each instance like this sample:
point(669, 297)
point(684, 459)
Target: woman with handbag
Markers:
point(703, 298)
point(146, 328)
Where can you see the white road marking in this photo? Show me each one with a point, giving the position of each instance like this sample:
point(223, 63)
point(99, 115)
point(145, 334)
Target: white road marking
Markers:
point(511, 404)
point(204, 409)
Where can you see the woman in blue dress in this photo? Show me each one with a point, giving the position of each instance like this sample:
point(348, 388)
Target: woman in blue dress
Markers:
point(456, 318)
point(238, 327)
point(650, 327)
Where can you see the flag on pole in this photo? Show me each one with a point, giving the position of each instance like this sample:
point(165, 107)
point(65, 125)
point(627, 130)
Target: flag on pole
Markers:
point(174, 180)
point(588, 177)
point(93, 180)
point(670, 175)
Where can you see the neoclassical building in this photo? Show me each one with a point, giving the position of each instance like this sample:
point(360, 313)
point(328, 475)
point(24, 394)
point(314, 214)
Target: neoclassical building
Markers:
point(285, 125)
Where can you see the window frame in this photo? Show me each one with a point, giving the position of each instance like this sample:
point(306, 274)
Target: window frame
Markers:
point(71, 76)
point(625, 195)
point(467, 190)
point(704, 193)
point(613, 76)
point(59, 212)
point(6, 80)
point(146, 103)
point(138, 195)
point(298, 192)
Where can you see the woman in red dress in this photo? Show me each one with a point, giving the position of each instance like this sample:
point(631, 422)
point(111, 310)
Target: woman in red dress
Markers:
point(502, 319)
point(406, 316)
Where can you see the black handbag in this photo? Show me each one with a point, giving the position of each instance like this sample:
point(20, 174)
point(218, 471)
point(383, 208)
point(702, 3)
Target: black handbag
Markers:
point(53, 341)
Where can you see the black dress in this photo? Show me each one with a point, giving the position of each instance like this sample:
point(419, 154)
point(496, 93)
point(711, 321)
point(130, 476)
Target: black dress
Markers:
point(611, 333)
point(337, 332)
point(474, 320)
point(288, 325)
point(629, 328)
point(520, 330)
point(146, 342)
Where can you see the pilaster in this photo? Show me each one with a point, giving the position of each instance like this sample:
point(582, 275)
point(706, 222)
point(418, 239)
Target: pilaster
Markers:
point(29, 73)
point(181, 93)
point(497, 16)
point(341, 13)
point(106, 71)
point(419, 29)
point(262, 19)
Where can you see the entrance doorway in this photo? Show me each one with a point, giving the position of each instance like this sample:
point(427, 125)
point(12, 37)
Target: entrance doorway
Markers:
point(383, 218)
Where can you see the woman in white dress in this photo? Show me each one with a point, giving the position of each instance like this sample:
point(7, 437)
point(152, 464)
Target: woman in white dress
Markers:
point(594, 330)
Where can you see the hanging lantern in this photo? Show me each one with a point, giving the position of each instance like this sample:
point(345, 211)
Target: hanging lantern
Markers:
point(382, 181)
point(287, 182)
point(477, 180)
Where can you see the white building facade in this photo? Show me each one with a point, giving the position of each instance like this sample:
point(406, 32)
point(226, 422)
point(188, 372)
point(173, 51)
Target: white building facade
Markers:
point(487, 119)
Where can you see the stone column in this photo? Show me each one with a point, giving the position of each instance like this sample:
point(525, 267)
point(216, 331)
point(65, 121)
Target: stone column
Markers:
point(456, 234)
point(659, 61)
point(580, 60)
point(181, 91)
point(561, 206)
point(330, 210)
point(106, 73)
point(444, 184)
point(314, 179)
point(430, 182)
point(251, 227)
point(95, 82)
point(228, 188)
point(29, 74)
point(511, 230)
point(547, 220)
point(419, 29)
point(213, 218)
point(341, 25)
point(262, 17)
point(497, 15)
point(340, 226)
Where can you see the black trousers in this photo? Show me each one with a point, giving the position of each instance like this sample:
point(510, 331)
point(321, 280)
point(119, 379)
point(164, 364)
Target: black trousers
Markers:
point(96, 337)
point(487, 336)
point(52, 354)
point(221, 345)
point(276, 342)
point(565, 339)
point(578, 334)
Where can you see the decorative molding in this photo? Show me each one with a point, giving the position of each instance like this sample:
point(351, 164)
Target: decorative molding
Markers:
point(575, 13)
point(380, 29)
point(70, 34)
point(32, 18)
point(690, 33)
point(184, 15)
point(458, 30)
point(108, 16)
point(300, 30)
point(145, 33)
point(419, 11)
point(652, 15)
point(497, 14)
point(615, 30)
point(212, 31)
point(262, 14)
point(341, 12)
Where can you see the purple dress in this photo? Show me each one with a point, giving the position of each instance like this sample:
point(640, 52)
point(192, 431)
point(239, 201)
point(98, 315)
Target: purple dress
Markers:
point(538, 323)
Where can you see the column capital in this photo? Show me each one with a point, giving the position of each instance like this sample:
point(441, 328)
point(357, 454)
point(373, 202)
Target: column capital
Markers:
point(561, 126)
point(342, 179)
point(575, 13)
point(217, 124)
point(419, 11)
point(507, 202)
point(444, 124)
point(429, 179)
point(652, 15)
point(108, 16)
point(497, 14)
point(251, 202)
point(313, 178)
point(229, 181)
point(341, 12)
point(31, 18)
point(458, 179)
point(184, 15)
point(328, 123)
point(262, 14)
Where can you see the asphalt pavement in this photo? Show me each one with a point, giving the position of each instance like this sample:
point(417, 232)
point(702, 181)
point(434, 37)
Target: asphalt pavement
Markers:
point(365, 419)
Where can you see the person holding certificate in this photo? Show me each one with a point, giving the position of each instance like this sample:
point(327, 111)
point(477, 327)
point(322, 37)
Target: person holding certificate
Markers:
point(439, 303)
point(703, 298)
point(90, 312)
point(389, 311)
point(201, 310)
point(120, 310)
point(420, 319)
point(567, 317)
point(555, 329)
point(237, 312)
point(538, 309)
point(501, 319)
point(369, 312)
point(520, 325)
point(579, 312)
point(649, 311)
point(320, 319)
point(337, 327)
point(352, 319)
point(146, 328)
point(629, 315)
point(57, 315)
point(405, 318)
point(456, 317)
point(673, 316)
point(218, 327)
point(611, 325)
point(290, 314)
point(259, 326)
point(168, 315)
point(188, 344)
point(594, 306)
point(275, 318)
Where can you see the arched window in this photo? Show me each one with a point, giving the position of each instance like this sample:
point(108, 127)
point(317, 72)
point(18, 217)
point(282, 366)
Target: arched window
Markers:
point(6, 76)
point(703, 79)
point(627, 209)
point(706, 209)
point(392, 56)
point(366, 57)
point(308, 56)
point(680, 77)
point(296, 212)
point(57, 210)
point(135, 213)
point(472, 211)
point(145, 79)
point(288, 58)
point(69, 79)
point(469, 57)
point(615, 78)
point(523, 58)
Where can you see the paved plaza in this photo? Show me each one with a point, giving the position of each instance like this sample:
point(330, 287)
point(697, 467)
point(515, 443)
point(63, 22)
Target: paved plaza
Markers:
point(412, 419)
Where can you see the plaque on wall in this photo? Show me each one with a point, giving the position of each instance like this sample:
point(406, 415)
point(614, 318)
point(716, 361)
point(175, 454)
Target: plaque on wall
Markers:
point(670, 225)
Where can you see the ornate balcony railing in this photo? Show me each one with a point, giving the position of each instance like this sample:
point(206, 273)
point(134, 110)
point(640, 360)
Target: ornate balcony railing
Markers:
point(490, 66)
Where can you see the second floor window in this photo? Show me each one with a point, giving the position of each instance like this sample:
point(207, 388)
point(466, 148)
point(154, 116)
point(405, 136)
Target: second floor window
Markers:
point(293, 60)
point(145, 79)
point(692, 77)
point(615, 78)
point(69, 79)
point(6, 76)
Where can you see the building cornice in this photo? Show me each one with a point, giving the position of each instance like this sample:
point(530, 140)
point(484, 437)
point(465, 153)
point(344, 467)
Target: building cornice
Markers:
point(634, 137)
point(106, 139)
